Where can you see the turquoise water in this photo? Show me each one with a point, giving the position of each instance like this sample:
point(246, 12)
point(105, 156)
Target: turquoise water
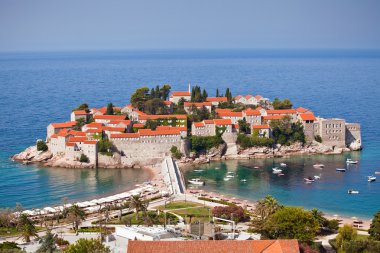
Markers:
point(39, 88)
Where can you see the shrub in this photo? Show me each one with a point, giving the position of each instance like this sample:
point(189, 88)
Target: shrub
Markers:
point(246, 141)
point(235, 213)
point(175, 152)
point(318, 138)
point(9, 246)
point(332, 224)
point(84, 159)
point(104, 145)
point(41, 146)
point(204, 143)
point(61, 242)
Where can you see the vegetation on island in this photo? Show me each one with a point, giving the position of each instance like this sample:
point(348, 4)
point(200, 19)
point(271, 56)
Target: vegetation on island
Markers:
point(197, 95)
point(84, 159)
point(175, 152)
point(200, 144)
point(151, 101)
point(284, 104)
point(318, 138)
point(88, 246)
point(249, 141)
point(233, 212)
point(285, 132)
point(41, 145)
point(82, 107)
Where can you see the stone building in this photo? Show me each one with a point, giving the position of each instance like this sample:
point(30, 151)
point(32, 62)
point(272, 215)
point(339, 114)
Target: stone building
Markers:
point(54, 128)
point(209, 127)
point(177, 95)
point(262, 130)
point(80, 114)
point(216, 100)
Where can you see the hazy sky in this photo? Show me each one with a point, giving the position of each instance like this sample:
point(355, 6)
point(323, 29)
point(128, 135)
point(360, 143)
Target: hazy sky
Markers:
point(157, 24)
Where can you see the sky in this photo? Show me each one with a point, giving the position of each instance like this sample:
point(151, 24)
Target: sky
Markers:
point(52, 25)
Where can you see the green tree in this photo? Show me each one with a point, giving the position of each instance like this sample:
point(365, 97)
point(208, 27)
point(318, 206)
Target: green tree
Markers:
point(266, 207)
point(83, 158)
point(10, 247)
point(374, 230)
point(165, 91)
point(139, 97)
point(82, 107)
point(244, 126)
point(285, 132)
point(175, 152)
point(41, 146)
point(26, 227)
point(155, 106)
point(47, 242)
point(79, 124)
point(138, 204)
point(104, 145)
point(75, 215)
point(318, 216)
point(109, 109)
point(228, 95)
point(346, 234)
point(217, 92)
point(291, 223)
point(151, 124)
point(285, 104)
point(88, 246)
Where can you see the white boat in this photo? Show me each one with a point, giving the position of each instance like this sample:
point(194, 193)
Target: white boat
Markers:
point(196, 181)
point(340, 169)
point(226, 179)
point(197, 170)
point(309, 180)
point(317, 177)
point(283, 164)
point(256, 167)
point(318, 165)
point(243, 180)
point(350, 161)
point(276, 170)
point(377, 172)
point(371, 178)
point(352, 192)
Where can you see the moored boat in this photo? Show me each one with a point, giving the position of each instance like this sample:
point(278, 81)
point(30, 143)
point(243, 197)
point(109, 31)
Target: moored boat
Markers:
point(276, 170)
point(352, 191)
point(377, 172)
point(243, 180)
point(196, 181)
point(318, 165)
point(309, 180)
point(317, 177)
point(283, 164)
point(350, 161)
point(371, 178)
point(340, 169)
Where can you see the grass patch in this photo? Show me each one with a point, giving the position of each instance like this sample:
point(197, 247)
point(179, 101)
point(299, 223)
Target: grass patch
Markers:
point(12, 231)
point(196, 213)
point(178, 205)
point(130, 219)
point(106, 153)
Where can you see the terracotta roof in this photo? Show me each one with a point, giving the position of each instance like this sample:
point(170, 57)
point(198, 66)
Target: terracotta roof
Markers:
point(77, 133)
point(282, 111)
point(110, 117)
point(91, 142)
point(63, 132)
point(138, 125)
point(188, 104)
point(236, 126)
point(230, 114)
point(301, 110)
point(266, 126)
point(198, 124)
point(238, 97)
point(64, 124)
point(77, 139)
point(180, 93)
point(94, 125)
point(114, 129)
point(171, 128)
point(248, 96)
point(222, 122)
point(217, 99)
point(307, 116)
point(272, 117)
point(258, 97)
point(80, 112)
point(167, 102)
point(139, 112)
point(208, 121)
point(94, 130)
point(210, 246)
point(217, 110)
point(251, 112)
point(164, 116)
point(70, 144)
point(125, 135)
point(54, 136)
point(149, 132)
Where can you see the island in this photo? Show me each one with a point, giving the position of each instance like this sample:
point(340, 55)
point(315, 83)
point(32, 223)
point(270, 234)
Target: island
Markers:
point(190, 126)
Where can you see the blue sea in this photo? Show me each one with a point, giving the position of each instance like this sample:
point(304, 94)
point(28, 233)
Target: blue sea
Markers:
point(39, 88)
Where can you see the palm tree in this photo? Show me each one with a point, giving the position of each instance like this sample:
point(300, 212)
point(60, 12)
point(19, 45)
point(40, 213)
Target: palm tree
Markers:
point(76, 215)
point(48, 242)
point(318, 216)
point(137, 204)
point(26, 227)
point(266, 207)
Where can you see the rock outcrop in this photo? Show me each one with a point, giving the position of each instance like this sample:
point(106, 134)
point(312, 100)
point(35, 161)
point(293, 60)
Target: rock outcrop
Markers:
point(32, 155)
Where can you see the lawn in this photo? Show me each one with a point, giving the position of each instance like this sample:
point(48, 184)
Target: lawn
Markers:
point(178, 205)
point(130, 219)
point(197, 213)
point(12, 231)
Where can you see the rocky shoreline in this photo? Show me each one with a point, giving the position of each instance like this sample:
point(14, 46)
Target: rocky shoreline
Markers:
point(314, 148)
point(32, 156)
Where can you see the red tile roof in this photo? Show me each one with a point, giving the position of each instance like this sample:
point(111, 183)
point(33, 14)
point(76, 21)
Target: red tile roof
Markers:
point(67, 124)
point(282, 111)
point(198, 124)
point(90, 142)
point(258, 97)
point(114, 129)
point(94, 125)
point(80, 112)
point(210, 246)
point(180, 93)
point(149, 132)
point(63, 132)
point(189, 104)
point(125, 135)
point(171, 128)
point(115, 122)
point(165, 116)
point(77, 139)
point(260, 126)
point(110, 117)
point(307, 116)
point(216, 99)
point(301, 110)
point(248, 96)
point(230, 114)
point(208, 121)
point(94, 130)
point(70, 144)
point(251, 112)
point(272, 117)
point(77, 133)
point(167, 102)
point(238, 97)
point(138, 125)
point(221, 122)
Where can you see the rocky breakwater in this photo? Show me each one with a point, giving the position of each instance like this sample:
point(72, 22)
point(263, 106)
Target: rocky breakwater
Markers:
point(46, 158)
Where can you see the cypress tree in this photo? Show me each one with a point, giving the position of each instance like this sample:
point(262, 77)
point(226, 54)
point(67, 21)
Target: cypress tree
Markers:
point(109, 109)
point(217, 92)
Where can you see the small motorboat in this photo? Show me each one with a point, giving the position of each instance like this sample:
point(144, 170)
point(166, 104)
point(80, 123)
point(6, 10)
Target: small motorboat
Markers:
point(217, 168)
point(352, 191)
point(317, 177)
point(377, 172)
point(309, 180)
point(256, 167)
point(226, 179)
point(340, 169)
point(319, 166)
point(197, 170)
point(350, 161)
point(243, 180)
point(371, 178)
point(196, 181)
point(283, 164)
point(230, 175)
point(280, 174)
point(276, 170)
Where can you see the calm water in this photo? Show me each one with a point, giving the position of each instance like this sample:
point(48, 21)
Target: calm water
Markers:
point(38, 88)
